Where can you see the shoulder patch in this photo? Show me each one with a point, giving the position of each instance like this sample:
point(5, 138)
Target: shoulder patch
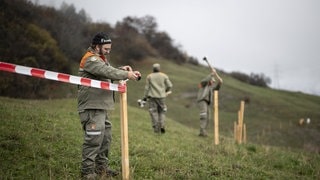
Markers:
point(92, 58)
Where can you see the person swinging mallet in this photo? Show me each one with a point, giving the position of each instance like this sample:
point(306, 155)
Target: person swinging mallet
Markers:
point(204, 98)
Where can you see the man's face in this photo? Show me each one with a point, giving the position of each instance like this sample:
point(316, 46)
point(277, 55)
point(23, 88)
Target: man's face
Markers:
point(104, 49)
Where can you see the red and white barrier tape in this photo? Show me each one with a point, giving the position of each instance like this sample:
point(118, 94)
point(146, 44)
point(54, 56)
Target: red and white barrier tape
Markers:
point(40, 73)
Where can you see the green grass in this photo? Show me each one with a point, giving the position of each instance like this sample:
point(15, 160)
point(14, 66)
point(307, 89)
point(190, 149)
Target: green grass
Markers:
point(38, 139)
point(41, 139)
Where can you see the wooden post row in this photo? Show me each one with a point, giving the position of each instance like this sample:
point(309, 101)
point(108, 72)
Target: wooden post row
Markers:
point(240, 129)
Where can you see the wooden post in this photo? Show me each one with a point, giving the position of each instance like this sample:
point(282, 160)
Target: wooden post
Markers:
point(241, 121)
point(124, 136)
point(216, 118)
point(239, 131)
point(238, 127)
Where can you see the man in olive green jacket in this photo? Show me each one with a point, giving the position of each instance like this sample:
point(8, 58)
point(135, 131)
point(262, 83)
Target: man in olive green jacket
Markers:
point(204, 99)
point(94, 104)
point(158, 87)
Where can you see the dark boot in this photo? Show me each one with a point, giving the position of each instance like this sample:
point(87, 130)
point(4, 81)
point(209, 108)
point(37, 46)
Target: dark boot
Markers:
point(111, 173)
point(203, 133)
point(156, 129)
point(91, 176)
point(163, 130)
point(106, 171)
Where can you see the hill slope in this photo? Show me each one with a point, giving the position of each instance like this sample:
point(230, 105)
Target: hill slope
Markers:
point(42, 140)
point(271, 116)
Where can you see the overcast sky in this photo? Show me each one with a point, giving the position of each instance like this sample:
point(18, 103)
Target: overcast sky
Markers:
point(279, 38)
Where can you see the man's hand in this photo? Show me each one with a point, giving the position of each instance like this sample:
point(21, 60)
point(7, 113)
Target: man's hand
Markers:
point(168, 92)
point(214, 73)
point(134, 75)
point(220, 79)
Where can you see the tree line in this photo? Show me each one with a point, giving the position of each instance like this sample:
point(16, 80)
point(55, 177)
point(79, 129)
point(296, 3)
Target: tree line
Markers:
point(48, 38)
point(55, 39)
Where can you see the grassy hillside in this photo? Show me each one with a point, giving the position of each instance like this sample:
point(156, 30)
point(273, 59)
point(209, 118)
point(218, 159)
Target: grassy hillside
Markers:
point(42, 139)
point(271, 115)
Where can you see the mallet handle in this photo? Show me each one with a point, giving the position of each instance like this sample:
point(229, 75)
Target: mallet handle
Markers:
point(212, 69)
point(206, 60)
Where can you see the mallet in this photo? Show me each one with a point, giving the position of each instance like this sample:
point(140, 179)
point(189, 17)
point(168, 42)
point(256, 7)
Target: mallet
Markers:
point(206, 60)
point(212, 69)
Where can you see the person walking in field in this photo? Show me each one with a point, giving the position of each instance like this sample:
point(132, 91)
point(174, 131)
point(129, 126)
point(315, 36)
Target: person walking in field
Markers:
point(204, 98)
point(94, 105)
point(158, 87)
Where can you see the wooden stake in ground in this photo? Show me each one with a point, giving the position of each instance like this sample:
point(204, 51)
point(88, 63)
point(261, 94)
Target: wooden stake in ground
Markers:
point(240, 129)
point(216, 118)
point(241, 121)
point(124, 136)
